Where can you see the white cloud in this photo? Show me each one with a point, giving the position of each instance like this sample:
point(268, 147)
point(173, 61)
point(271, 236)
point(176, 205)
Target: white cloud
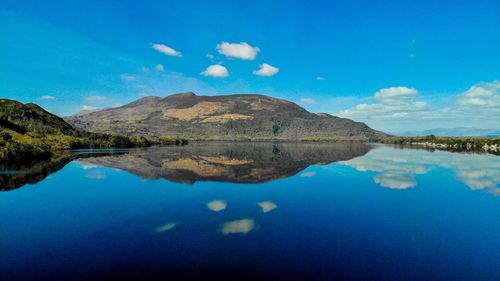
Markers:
point(309, 101)
point(160, 68)
point(216, 70)
point(481, 95)
point(88, 107)
point(95, 98)
point(217, 205)
point(128, 77)
point(238, 50)
point(238, 226)
point(397, 109)
point(47, 98)
point(267, 206)
point(166, 50)
point(266, 70)
point(320, 78)
point(395, 94)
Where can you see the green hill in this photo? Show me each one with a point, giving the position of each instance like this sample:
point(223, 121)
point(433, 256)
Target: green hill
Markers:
point(27, 131)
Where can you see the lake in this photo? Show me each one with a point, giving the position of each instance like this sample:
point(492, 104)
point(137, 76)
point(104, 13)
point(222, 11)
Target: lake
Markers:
point(244, 211)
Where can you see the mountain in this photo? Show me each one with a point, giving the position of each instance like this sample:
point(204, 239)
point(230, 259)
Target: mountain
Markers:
point(455, 132)
point(227, 117)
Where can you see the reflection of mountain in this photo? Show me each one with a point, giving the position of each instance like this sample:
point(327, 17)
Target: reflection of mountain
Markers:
point(15, 175)
point(399, 168)
point(229, 162)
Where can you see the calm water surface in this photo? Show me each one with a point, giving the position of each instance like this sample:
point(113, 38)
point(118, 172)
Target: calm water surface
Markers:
point(253, 211)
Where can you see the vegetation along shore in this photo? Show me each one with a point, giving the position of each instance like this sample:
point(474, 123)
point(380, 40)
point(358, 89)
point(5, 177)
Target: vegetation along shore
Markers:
point(28, 132)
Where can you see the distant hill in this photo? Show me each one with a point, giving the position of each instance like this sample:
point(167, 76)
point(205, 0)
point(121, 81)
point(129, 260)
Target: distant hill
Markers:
point(455, 132)
point(227, 117)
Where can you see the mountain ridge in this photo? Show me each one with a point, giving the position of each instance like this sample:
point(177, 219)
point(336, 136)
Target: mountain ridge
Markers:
point(229, 117)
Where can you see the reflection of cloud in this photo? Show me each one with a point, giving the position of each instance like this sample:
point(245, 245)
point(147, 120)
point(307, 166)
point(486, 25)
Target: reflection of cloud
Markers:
point(96, 175)
point(267, 206)
point(238, 226)
point(398, 168)
point(87, 166)
point(395, 180)
point(217, 205)
point(308, 174)
point(166, 227)
point(487, 178)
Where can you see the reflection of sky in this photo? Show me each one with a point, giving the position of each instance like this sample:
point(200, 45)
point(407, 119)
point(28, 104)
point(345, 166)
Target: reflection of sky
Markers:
point(398, 169)
point(319, 220)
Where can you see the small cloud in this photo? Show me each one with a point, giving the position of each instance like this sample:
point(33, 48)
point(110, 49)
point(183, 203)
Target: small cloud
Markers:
point(412, 56)
point(128, 77)
point(216, 70)
point(395, 94)
point(96, 175)
point(160, 68)
point(267, 206)
point(145, 70)
point(47, 98)
point(88, 107)
point(95, 98)
point(210, 57)
point(166, 227)
point(238, 226)
point(166, 50)
point(238, 50)
point(307, 101)
point(320, 78)
point(266, 70)
point(217, 205)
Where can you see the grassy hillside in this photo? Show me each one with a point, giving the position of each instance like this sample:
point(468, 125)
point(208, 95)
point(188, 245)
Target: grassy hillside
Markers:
point(28, 131)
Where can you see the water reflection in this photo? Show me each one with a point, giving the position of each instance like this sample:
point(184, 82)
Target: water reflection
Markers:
point(242, 226)
point(166, 227)
point(229, 162)
point(16, 175)
point(399, 168)
point(267, 206)
point(217, 205)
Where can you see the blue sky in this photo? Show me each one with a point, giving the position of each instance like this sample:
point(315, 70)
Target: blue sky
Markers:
point(396, 65)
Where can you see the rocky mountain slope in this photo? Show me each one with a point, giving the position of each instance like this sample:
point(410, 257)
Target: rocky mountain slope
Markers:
point(227, 117)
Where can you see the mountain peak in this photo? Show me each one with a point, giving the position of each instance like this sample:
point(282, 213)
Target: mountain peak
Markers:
point(228, 117)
